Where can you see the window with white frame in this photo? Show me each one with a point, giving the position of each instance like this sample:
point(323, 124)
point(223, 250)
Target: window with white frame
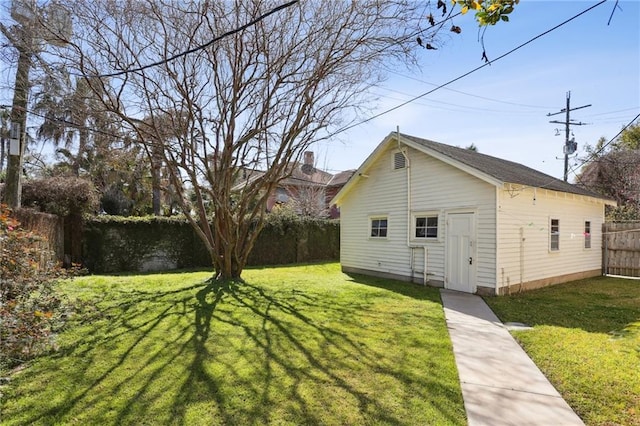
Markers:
point(587, 234)
point(554, 234)
point(426, 226)
point(379, 227)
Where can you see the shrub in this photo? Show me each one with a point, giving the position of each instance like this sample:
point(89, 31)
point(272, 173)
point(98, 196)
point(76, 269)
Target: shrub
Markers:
point(115, 202)
point(623, 213)
point(30, 310)
point(60, 195)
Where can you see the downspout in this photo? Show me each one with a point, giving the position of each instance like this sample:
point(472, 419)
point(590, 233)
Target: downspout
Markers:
point(409, 228)
point(521, 259)
point(425, 279)
point(605, 261)
point(406, 158)
point(497, 240)
point(408, 167)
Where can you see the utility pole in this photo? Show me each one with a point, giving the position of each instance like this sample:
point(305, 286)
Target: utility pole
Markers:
point(21, 37)
point(570, 146)
point(4, 134)
point(13, 189)
point(27, 36)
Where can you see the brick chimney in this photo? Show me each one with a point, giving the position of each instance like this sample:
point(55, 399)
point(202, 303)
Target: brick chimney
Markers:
point(308, 158)
point(307, 168)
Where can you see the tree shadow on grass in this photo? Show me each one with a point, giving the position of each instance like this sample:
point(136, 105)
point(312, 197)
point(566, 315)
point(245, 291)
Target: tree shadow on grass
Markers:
point(271, 312)
point(286, 360)
point(199, 381)
point(284, 318)
point(111, 318)
point(247, 354)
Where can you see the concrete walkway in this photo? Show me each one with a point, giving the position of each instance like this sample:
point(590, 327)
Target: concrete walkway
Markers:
point(500, 383)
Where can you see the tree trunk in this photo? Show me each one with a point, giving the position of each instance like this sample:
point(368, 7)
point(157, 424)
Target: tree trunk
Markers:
point(155, 190)
point(233, 241)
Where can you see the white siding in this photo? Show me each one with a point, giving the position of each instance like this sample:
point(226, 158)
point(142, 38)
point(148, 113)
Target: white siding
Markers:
point(382, 193)
point(524, 253)
point(436, 187)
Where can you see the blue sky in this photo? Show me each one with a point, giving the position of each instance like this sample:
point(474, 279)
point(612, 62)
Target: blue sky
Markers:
point(503, 108)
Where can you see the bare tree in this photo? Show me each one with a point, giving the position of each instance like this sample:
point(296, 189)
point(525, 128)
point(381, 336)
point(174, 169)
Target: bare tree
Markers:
point(615, 173)
point(309, 200)
point(255, 99)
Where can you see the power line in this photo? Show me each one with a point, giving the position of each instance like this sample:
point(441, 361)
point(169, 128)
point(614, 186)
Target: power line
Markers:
point(363, 121)
point(200, 47)
point(272, 11)
point(592, 156)
point(469, 94)
point(613, 120)
point(203, 46)
point(344, 129)
point(612, 112)
point(463, 107)
point(243, 27)
point(603, 147)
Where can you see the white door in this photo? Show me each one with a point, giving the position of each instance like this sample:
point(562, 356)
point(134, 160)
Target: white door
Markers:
point(461, 270)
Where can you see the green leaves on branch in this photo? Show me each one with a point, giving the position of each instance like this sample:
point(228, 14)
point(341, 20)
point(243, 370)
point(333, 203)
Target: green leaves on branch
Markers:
point(488, 12)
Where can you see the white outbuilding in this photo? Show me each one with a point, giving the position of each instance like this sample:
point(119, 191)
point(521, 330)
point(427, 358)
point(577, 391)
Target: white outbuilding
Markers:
point(426, 212)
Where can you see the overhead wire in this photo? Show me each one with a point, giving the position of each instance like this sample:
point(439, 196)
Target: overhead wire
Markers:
point(200, 47)
point(590, 158)
point(470, 94)
point(74, 125)
point(612, 112)
point(415, 98)
point(460, 77)
point(243, 27)
point(203, 46)
point(462, 107)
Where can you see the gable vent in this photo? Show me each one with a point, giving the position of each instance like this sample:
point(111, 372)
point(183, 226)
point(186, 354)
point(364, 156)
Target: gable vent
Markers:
point(399, 161)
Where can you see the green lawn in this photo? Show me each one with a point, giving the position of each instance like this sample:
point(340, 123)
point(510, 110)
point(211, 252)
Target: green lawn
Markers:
point(586, 339)
point(294, 345)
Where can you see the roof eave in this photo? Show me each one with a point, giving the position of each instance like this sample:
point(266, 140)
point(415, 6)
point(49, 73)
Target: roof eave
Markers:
point(361, 171)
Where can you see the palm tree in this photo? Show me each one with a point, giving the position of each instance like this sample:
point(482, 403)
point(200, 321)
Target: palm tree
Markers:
point(70, 110)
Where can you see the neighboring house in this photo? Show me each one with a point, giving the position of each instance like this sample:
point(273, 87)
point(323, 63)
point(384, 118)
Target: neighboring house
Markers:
point(307, 189)
point(304, 188)
point(333, 187)
point(427, 212)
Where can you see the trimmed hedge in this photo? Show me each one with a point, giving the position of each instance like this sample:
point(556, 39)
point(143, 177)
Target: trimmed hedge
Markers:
point(114, 244)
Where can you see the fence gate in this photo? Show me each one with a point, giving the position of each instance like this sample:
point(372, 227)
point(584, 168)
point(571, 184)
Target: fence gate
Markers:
point(621, 248)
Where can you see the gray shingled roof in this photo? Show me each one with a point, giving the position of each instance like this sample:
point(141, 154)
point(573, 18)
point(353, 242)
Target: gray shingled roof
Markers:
point(341, 178)
point(503, 170)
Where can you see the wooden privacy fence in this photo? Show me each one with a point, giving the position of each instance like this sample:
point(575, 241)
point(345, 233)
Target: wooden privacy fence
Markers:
point(621, 248)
